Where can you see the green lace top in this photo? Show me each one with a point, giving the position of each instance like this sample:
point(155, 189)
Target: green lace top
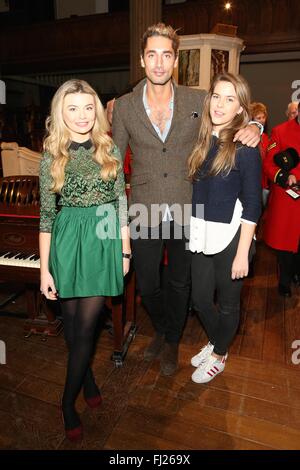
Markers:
point(83, 186)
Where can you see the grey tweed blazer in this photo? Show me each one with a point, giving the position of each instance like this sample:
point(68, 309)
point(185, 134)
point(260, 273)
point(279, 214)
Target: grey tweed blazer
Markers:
point(159, 169)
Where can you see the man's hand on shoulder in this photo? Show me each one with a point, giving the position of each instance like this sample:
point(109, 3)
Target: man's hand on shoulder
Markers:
point(249, 135)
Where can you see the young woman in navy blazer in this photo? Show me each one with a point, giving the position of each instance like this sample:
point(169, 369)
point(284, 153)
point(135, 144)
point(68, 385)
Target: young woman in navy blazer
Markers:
point(226, 206)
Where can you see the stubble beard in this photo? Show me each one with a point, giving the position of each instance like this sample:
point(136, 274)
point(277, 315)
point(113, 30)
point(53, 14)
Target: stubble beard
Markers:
point(151, 80)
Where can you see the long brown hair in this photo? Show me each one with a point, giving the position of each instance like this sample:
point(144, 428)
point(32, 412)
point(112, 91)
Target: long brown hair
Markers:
point(58, 137)
point(225, 158)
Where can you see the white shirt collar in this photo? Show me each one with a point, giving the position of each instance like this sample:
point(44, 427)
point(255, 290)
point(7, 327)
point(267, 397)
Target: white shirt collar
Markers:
point(145, 101)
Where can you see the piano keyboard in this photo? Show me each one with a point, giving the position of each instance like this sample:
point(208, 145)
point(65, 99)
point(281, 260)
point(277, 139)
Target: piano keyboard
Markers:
point(24, 260)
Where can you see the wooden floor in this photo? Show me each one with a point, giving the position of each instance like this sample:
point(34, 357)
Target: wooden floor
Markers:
point(253, 404)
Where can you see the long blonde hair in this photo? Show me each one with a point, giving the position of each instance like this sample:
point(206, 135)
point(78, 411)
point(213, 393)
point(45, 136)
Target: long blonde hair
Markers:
point(58, 138)
point(225, 158)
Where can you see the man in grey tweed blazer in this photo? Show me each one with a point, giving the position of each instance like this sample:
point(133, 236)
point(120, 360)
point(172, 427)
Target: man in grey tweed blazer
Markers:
point(160, 122)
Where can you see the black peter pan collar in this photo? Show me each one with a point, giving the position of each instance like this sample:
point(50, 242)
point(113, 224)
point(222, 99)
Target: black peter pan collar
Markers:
point(76, 145)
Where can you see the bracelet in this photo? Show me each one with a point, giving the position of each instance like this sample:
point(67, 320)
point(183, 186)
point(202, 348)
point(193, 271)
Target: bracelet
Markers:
point(127, 255)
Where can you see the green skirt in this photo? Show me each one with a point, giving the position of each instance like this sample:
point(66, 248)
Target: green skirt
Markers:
point(86, 252)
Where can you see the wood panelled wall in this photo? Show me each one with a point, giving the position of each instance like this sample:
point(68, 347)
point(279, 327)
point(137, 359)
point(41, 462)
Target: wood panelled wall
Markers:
point(265, 25)
point(93, 41)
point(73, 43)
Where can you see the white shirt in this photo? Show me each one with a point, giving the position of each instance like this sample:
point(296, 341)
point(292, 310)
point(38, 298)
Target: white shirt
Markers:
point(162, 135)
point(213, 237)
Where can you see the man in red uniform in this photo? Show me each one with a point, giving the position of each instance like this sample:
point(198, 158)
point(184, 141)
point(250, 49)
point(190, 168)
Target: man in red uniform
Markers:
point(292, 110)
point(259, 113)
point(282, 225)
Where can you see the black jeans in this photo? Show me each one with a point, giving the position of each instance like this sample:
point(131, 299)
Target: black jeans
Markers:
point(166, 302)
point(212, 273)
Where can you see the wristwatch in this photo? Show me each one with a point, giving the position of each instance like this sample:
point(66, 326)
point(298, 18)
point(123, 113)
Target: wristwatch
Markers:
point(127, 255)
point(258, 124)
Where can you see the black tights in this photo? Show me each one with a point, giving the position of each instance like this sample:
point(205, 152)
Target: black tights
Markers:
point(80, 316)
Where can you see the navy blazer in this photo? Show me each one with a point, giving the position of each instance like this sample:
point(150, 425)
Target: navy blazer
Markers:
point(217, 195)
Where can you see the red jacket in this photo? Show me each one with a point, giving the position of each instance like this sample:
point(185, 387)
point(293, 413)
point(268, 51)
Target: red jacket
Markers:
point(127, 159)
point(263, 147)
point(282, 224)
point(127, 162)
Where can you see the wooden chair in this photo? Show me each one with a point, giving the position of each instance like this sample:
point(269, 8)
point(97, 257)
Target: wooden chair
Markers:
point(19, 160)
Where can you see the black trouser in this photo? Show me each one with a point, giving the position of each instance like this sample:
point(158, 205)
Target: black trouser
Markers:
point(212, 273)
point(289, 265)
point(167, 303)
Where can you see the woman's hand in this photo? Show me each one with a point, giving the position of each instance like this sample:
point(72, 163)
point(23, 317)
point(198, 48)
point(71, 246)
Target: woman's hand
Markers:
point(126, 249)
point(240, 267)
point(47, 283)
point(126, 266)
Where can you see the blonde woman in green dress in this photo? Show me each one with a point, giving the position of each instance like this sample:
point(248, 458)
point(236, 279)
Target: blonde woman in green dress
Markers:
point(84, 247)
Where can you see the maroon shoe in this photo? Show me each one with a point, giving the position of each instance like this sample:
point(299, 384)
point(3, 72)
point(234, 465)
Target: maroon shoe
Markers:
point(75, 434)
point(94, 402)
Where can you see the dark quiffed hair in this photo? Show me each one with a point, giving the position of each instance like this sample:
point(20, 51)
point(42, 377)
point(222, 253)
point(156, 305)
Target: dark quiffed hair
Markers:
point(160, 29)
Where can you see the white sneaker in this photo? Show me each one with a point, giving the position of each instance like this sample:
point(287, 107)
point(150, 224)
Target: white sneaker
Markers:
point(209, 369)
point(203, 355)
